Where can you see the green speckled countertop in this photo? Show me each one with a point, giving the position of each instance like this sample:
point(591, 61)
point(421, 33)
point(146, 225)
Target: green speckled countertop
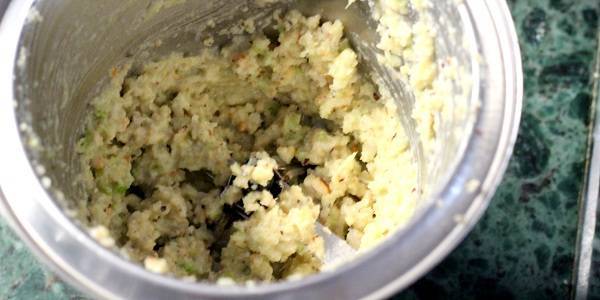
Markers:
point(524, 247)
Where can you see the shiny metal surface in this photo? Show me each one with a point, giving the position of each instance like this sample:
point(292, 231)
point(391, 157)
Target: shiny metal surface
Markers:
point(588, 206)
point(51, 69)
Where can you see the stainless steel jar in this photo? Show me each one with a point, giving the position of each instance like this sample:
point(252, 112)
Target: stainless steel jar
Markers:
point(53, 57)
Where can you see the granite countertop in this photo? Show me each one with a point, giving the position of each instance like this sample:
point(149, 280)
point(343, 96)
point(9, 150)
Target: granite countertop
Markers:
point(525, 245)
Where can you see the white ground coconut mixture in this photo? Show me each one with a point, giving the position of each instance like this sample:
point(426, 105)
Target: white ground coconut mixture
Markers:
point(174, 147)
